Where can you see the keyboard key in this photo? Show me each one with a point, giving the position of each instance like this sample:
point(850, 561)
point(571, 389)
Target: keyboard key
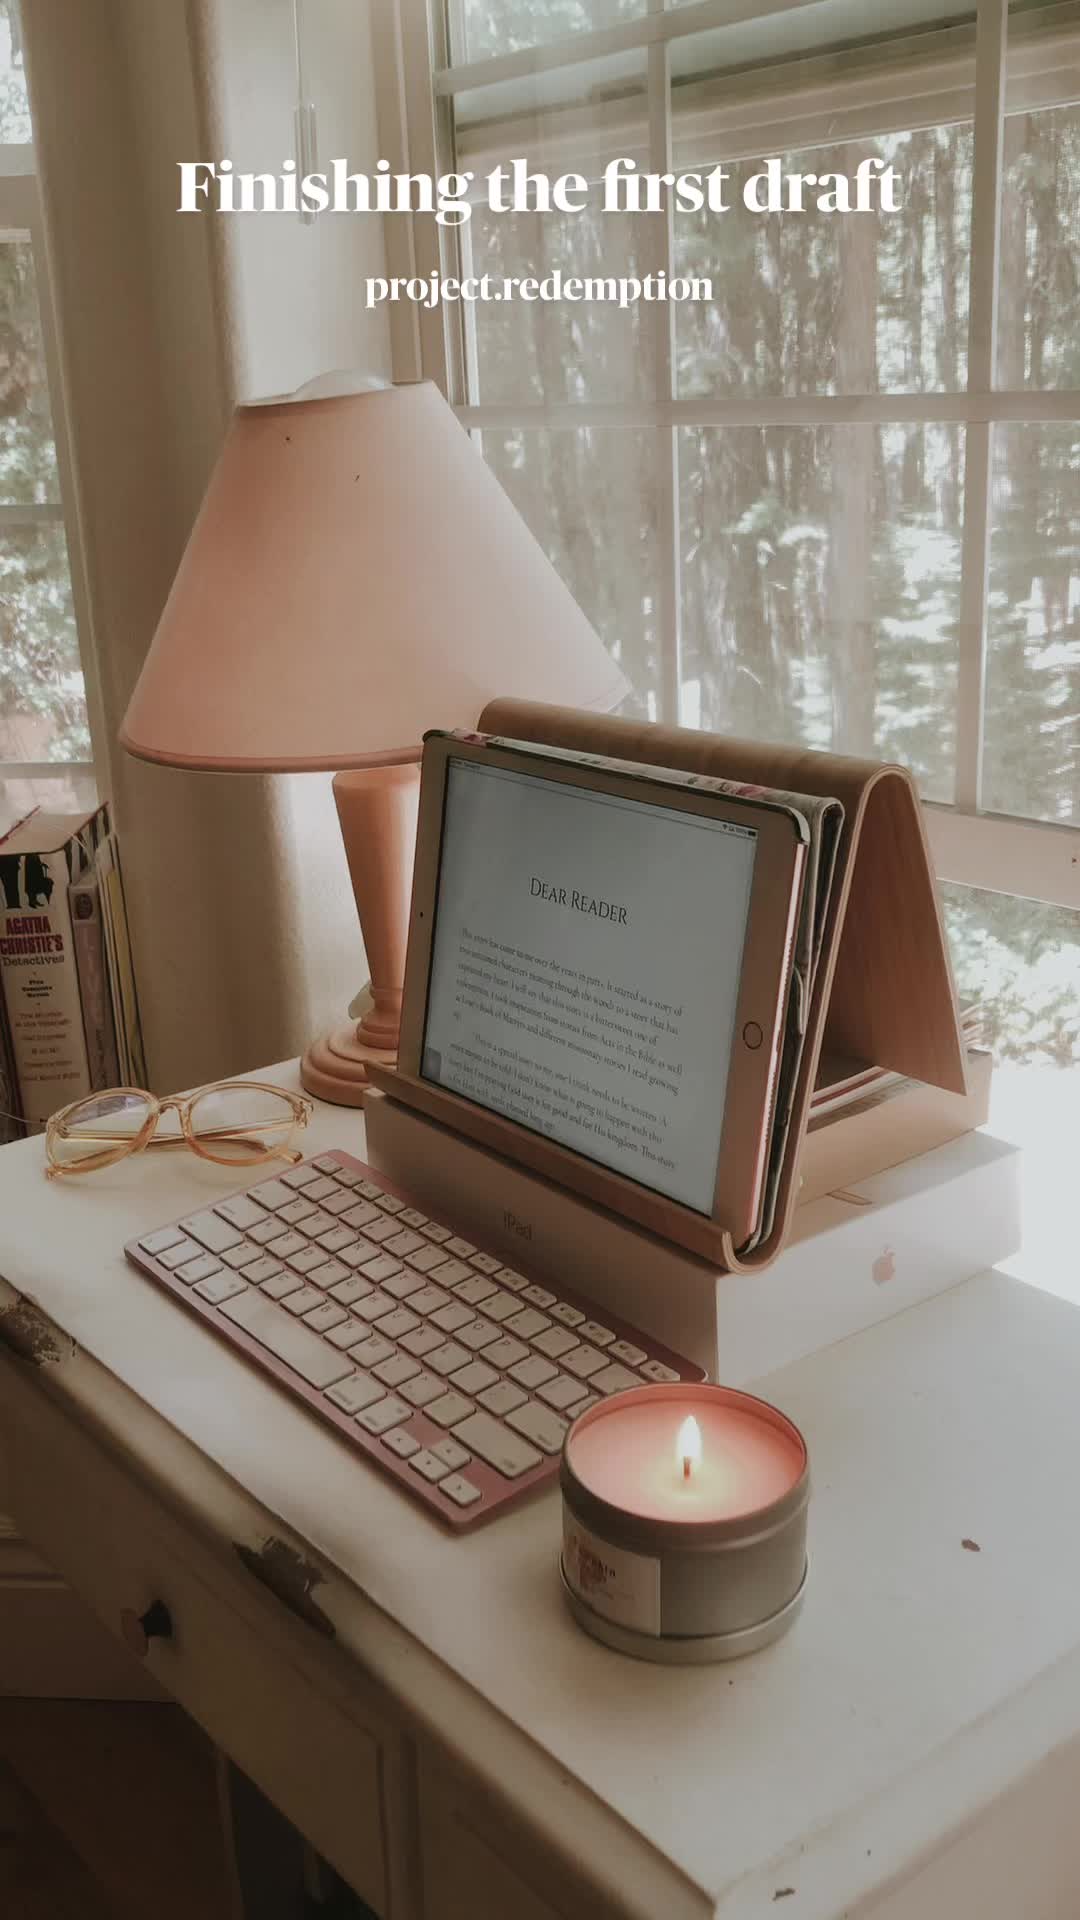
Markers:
point(241, 1211)
point(261, 1270)
point(623, 1350)
point(384, 1267)
point(453, 1272)
point(302, 1302)
point(156, 1243)
point(368, 1190)
point(448, 1409)
point(412, 1218)
point(451, 1317)
point(428, 1300)
point(269, 1230)
point(516, 1282)
point(359, 1253)
point(539, 1297)
point(285, 1246)
point(461, 1249)
point(424, 1388)
point(326, 1163)
point(426, 1259)
point(182, 1251)
point(407, 1242)
point(240, 1256)
point(563, 1393)
point(315, 1224)
point(346, 1178)
point(282, 1285)
point(338, 1203)
point(401, 1442)
point(528, 1323)
point(221, 1286)
point(570, 1316)
point(613, 1380)
point(385, 1414)
point(505, 1353)
point(544, 1429)
point(297, 1346)
point(555, 1342)
point(298, 1177)
point(398, 1323)
point(453, 1455)
point(395, 1371)
point(328, 1274)
point(448, 1358)
point(533, 1371)
point(306, 1259)
point(474, 1290)
point(477, 1335)
point(440, 1235)
point(297, 1210)
point(372, 1351)
point(373, 1308)
point(345, 1336)
point(429, 1465)
point(600, 1336)
point(424, 1340)
point(584, 1362)
point(326, 1317)
point(356, 1393)
point(493, 1442)
point(213, 1234)
point(360, 1214)
point(195, 1270)
point(460, 1490)
point(501, 1306)
point(402, 1283)
point(390, 1203)
point(336, 1237)
point(319, 1189)
point(473, 1377)
point(485, 1263)
point(502, 1398)
point(656, 1370)
point(381, 1230)
point(273, 1194)
point(352, 1289)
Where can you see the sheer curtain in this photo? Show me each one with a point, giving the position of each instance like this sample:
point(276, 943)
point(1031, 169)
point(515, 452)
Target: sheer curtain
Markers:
point(244, 929)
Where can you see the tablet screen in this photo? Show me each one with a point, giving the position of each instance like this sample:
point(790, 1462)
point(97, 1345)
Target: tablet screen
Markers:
point(585, 969)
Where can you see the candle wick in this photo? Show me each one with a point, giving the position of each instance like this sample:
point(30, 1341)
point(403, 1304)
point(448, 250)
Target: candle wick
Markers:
point(686, 1466)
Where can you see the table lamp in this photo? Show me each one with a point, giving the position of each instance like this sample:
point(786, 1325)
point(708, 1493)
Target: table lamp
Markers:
point(356, 576)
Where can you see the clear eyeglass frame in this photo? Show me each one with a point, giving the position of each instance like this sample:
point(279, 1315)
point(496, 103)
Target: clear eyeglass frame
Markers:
point(240, 1144)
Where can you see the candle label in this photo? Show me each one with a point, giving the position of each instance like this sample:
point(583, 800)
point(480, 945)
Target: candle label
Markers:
point(624, 1587)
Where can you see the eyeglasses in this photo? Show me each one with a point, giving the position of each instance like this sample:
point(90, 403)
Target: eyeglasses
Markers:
point(236, 1123)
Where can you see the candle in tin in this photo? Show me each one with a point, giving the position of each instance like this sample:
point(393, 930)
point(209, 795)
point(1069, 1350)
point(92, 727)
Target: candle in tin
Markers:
point(684, 1511)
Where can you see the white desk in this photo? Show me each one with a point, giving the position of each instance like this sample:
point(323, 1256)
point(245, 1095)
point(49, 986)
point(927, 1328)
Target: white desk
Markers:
point(459, 1748)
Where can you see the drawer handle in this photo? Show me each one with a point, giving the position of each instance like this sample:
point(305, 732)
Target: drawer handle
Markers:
point(139, 1629)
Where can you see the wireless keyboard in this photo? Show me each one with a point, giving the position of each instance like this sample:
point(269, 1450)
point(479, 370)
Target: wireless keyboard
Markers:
point(450, 1371)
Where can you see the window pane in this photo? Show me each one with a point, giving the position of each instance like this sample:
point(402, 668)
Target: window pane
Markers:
point(821, 578)
point(1039, 321)
point(482, 28)
point(1021, 961)
point(27, 451)
point(818, 302)
point(1032, 751)
point(589, 496)
point(42, 701)
point(14, 106)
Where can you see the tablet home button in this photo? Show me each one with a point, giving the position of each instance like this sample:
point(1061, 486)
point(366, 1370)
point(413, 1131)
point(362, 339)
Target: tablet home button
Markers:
point(752, 1034)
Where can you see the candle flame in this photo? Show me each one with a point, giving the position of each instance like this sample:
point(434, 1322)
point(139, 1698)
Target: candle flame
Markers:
point(688, 1446)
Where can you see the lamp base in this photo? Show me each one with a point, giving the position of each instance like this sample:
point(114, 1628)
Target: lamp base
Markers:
point(334, 1068)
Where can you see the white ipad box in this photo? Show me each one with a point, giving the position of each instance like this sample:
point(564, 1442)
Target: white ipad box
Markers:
point(853, 1258)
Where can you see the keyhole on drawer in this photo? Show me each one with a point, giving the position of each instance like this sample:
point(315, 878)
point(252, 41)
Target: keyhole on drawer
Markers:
point(139, 1629)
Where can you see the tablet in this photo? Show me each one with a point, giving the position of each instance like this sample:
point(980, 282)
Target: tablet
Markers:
point(598, 971)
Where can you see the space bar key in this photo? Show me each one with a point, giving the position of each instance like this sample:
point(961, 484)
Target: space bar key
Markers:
point(307, 1355)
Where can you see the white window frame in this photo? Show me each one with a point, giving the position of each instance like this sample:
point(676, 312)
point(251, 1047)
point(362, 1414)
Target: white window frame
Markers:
point(417, 86)
point(21, 220)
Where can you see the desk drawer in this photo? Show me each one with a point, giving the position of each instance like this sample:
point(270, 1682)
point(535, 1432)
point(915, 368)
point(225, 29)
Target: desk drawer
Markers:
point(292, 1715)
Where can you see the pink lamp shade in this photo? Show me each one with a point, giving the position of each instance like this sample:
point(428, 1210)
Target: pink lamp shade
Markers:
point(355, 577)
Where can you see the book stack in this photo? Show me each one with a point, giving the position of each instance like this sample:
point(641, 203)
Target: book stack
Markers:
point(69, 1017)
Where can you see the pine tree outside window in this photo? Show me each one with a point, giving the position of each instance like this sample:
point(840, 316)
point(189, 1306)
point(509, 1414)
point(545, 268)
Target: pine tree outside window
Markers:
point(839, 503)
point(44, 729)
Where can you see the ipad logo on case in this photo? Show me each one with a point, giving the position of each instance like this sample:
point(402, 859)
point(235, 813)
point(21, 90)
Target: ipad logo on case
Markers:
point(884, 1268)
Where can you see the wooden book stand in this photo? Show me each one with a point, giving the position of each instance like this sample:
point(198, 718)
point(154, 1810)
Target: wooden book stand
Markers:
point(883, 991)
